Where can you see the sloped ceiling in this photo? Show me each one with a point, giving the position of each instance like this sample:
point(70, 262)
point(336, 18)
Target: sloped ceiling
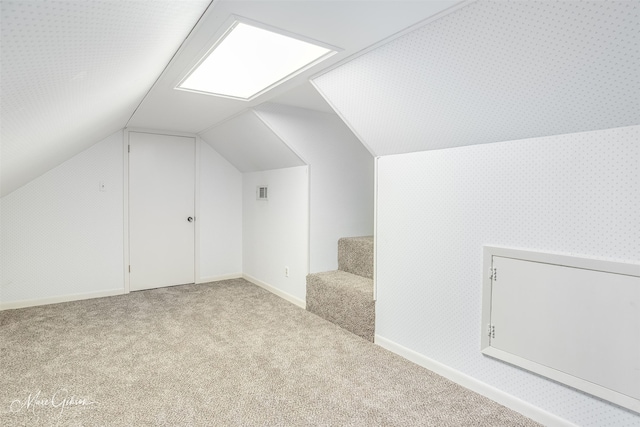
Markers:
point(481, 71)
point(250, 145)
point(495, 71)
point(73, 72)
point(305, 96)
point(349, 25)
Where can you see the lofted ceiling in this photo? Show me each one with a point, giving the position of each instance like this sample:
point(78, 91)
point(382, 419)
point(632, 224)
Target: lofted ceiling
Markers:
point(410, 75)
point(75, 71)
point(348, 25)
point(249, 144)
point(495, 71)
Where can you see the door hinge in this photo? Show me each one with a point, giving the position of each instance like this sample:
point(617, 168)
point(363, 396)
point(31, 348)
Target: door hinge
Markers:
point(128, 148)
point(493, 274)
point(129, 269)
point(491, 331)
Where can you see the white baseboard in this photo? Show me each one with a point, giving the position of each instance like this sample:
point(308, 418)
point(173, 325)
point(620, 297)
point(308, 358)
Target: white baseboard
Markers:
point(59, 299)
point(276, 291)
point(505, 399)
point(89, 295)
point(218, 278)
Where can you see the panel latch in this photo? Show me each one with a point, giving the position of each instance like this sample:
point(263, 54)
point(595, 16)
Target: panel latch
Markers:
point(491, 331)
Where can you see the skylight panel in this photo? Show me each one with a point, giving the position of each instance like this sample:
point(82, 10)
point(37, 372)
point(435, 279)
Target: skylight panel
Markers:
point(249, 60)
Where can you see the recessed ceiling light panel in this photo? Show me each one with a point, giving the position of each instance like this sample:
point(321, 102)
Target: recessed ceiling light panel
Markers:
point(248, 60)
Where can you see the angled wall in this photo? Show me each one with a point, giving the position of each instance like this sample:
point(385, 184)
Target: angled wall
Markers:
point(249, 145)
point(61, 237)
point(74, 73)
point(341, 177)
point(494, 71)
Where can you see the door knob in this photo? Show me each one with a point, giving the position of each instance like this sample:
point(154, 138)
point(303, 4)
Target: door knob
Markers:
point(190, 219)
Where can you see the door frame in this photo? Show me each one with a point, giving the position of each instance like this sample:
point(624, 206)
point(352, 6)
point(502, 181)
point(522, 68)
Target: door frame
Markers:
point(196, 241)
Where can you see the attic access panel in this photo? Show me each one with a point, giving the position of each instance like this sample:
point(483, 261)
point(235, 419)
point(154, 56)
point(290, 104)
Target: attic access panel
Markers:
point(574, 320)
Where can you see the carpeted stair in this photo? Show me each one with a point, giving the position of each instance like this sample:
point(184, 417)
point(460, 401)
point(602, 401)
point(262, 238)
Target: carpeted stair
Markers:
point(345, 296)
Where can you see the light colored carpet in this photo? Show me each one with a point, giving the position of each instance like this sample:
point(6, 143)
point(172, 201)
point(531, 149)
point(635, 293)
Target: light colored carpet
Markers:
point(344, 299)
point(355, 255)
point(226, 353)
point(345, 296)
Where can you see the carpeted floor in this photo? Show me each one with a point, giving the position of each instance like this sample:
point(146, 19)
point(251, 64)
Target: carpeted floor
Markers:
point(344, 299)
point(225, 353)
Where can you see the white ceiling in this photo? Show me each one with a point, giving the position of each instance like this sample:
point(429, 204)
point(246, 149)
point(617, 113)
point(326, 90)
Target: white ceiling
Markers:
point(495, 71)
point(348, 25)
point(73, 72)
point(250, 145)
point(305, 96)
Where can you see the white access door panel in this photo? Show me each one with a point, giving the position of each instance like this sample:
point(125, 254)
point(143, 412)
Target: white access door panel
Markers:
point(576, 325)
point(161, 210)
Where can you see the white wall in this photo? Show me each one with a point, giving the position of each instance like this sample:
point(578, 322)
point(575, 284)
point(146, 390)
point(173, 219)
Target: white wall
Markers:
point(275, 232)
point(576, 194)
point(62, 238)
point(220, 217)
point(341, 177)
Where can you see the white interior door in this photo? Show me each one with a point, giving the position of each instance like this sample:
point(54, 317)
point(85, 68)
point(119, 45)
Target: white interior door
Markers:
point(161, 210)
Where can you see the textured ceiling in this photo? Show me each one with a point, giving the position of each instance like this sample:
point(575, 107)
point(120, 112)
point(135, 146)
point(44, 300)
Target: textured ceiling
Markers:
point(495, 71)
point(348, 25)
point(73, 72)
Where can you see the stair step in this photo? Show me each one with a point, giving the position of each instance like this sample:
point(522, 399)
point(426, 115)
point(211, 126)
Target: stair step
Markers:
point(355, 255)
point(344, 299)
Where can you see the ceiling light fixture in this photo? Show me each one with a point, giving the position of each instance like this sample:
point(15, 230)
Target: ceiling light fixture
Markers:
point(248, 60)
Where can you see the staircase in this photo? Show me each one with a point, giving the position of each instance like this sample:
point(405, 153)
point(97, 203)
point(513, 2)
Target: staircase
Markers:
point(345, 296)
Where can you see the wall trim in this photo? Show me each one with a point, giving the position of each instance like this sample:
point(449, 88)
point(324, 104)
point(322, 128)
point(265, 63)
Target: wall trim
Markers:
point(59, 299)
point(196, 204)
point(125, 209)
point(91, 295)
point(375, 227)
point(196, 210)
point(159, 132)
point(275, 291)
point(202, 280)
point(473, 384)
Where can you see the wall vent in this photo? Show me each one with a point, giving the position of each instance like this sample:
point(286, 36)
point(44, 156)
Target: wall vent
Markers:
point(262, 193)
